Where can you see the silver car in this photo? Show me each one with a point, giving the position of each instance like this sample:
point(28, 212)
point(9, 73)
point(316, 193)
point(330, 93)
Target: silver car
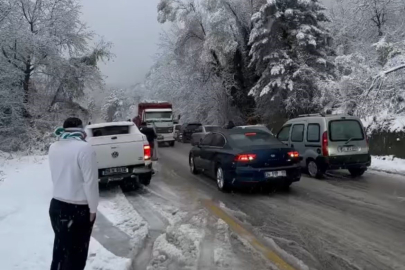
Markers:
point(201, 132)
point(328, 142)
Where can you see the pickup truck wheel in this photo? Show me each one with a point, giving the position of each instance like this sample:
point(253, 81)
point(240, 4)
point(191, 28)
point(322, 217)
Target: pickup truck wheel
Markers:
point(127, 186)
point(145, 180)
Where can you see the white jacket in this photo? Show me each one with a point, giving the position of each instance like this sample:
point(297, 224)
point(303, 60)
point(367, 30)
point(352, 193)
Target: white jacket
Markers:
point(74, 172)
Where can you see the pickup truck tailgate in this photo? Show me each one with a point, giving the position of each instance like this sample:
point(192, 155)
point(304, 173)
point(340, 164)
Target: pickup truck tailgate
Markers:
point(118, 151)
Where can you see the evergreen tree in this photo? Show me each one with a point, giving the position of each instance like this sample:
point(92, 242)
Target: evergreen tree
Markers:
point(289, 51)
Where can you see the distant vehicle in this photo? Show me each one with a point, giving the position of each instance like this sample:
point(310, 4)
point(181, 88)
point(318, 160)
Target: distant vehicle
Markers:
point(158, 115)
point(245, 157)
point(328, 142)
point(123, 152)
point(187, 130)
point(201, 132)
point(260, 127)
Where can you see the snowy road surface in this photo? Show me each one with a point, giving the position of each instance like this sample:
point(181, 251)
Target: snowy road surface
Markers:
point(181, 221)
point(336, 223)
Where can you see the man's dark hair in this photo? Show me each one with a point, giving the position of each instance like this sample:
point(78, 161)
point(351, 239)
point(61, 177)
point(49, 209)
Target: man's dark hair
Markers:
point(73, 122)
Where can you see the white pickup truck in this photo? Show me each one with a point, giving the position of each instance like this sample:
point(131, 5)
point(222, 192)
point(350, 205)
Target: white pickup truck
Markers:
point(123, 153)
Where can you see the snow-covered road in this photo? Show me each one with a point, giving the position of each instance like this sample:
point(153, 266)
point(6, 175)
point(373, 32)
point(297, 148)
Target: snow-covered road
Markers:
point(181, 221)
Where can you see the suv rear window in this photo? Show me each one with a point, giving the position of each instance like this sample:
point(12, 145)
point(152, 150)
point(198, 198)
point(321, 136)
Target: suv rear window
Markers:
point(253, 138)
point(193, 126)
point(111, 130)
point(344, 130)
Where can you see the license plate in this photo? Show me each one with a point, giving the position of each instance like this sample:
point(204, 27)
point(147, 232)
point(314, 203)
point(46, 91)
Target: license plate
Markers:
point(274, 174)
point(112, 179)
point(115, 170)
point(349, 148)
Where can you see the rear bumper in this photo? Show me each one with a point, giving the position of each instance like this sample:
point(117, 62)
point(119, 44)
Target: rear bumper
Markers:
point(165, 137)
point(134, 174)
point(247, 176)
point(345, 162)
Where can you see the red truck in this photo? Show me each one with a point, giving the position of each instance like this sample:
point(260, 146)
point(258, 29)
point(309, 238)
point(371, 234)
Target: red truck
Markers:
point(158, 115)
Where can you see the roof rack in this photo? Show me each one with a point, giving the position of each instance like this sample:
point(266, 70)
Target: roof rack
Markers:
point(311, 115)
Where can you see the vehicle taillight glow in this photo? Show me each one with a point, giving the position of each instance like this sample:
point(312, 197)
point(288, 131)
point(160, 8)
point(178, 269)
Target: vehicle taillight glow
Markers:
point(245, 157)
point(294, 154)
point(325, 150)
point(250, 134)
point(147, 153)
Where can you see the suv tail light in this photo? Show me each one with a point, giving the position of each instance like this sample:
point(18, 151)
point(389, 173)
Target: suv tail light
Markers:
point(293, 154)
point(147, 153)
point(325, 151)
point(245, 157)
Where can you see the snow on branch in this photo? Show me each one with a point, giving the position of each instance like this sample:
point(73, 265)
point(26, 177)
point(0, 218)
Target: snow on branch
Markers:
point(378, 80)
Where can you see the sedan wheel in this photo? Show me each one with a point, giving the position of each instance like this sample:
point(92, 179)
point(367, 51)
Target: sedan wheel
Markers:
point(221, 183)
point(192, 165)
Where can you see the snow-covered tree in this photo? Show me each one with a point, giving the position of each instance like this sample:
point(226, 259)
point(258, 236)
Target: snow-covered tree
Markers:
point(290, 52)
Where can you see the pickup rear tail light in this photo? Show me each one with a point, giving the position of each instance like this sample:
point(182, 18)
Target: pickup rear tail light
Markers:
point(245, 157)
point(147, 153)
point(325, 150)
point(293, 154)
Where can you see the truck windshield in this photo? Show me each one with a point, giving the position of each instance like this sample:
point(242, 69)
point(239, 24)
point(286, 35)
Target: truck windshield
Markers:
point(158, 116)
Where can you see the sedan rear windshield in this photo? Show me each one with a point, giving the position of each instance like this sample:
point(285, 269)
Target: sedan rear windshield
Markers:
point(253, 138)
point(111, 130)
point(345, 130)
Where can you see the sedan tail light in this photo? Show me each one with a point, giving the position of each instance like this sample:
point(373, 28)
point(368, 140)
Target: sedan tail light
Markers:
point(293, 154)
point(147, 153)
point(245, 157)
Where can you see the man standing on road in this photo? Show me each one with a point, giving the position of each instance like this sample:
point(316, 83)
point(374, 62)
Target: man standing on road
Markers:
point(73, 208)
point(150, 135)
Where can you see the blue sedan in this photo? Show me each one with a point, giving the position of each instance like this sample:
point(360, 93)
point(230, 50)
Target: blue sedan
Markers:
point(245, 157)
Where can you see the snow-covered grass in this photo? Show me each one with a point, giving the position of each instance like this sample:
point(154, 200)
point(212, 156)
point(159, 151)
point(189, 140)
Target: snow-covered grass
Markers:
point(26, 236)
point(389, 164)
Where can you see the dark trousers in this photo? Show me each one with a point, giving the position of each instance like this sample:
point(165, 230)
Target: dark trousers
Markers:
point(72, 227)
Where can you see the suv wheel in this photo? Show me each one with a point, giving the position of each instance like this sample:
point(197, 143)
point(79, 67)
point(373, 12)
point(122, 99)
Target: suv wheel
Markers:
point(314, 170)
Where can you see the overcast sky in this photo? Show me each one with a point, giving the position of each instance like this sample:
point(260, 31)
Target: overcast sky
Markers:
point(133, 28)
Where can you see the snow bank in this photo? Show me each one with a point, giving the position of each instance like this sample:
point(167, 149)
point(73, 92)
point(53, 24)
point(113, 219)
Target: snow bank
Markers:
point(120, 212)
point(25, 230)
point(388, 164)
point(385, 121)
point(179, 247)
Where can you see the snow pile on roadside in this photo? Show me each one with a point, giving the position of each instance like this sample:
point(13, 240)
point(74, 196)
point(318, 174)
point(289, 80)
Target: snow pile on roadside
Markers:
point(389, 164)
point(223, 255)
point(120, 212)
point(25, 230)
point(179, 247)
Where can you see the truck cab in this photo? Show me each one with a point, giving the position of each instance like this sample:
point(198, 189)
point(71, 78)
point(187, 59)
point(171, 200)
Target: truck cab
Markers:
point(159, 116)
